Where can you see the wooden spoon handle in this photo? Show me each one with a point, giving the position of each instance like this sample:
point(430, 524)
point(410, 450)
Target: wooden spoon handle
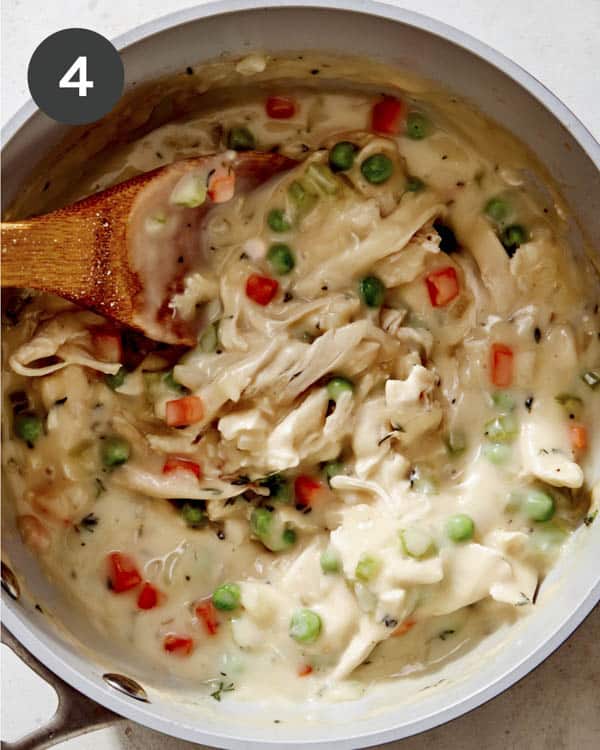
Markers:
point(47, 254)
point(68, 254)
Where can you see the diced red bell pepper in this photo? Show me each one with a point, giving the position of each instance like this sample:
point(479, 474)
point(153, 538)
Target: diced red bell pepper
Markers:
point(306, 490)
point(579, 437)
point(183, 411)
point(122, 573)
point(206, 612)
point(304, 670)
point(148, 597)
point(221, 185)
point(178, 644)
point(107, 344)
point(173, 464)
point(388, 115)
point(280, 107)
point(502, 361)
point(442, 286)
point(261, 289)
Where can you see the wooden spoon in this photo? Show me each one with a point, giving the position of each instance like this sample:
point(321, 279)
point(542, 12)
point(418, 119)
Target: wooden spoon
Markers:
point(123, 252)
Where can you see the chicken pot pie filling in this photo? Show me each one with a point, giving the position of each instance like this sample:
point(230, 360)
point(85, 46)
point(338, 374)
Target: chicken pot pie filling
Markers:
point(378, 446)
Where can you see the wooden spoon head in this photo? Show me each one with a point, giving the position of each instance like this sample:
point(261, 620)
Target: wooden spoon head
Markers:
point(164, 238)
point(124, 252)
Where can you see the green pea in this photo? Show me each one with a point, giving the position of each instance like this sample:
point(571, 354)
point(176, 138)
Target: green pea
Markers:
point(194, 516)
point(414, 184)
point(502, 429)
point(28, 427)
point(305, 626)
point(337, 386)
point(497, 453)
point(116, 381)
point(377, 169)
point(496, 209)
point(241, 139)
point(591, 378)
point(279, 488)
point(227, 597)
point(330, 561)
point(512, 238)
point(115, 451)
point(269, 529)
point(281, 258)
point(332, 469)
point(367, 568)
point(504, 401)
point(172, 384)
point(372, 291)
point(539, 506)
point(341, 156)
point(456, 442)
point(261, 521)
point(277, 220)
point(460, 527)
point(417, 126)
point(209, 340)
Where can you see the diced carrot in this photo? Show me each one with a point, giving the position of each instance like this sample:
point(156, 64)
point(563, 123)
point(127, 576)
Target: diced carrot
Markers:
point(280, 107)
point(304, 670)
point(387, 115)
point(206, 612)
point(183, 411)
point(107, 344)
point(404, 627)
point(261, 289)
point(122, 573)
point(173, 464)
point(579, 437)
point(306, 490)
point(442, 286)
point(221, 185)
point(180, 644)
point(502, 362)
point(148, 597)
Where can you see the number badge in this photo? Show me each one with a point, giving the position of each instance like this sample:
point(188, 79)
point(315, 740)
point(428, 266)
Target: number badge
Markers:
point(75, 76)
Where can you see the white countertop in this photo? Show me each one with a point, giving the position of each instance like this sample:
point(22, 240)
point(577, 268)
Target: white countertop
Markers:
point(558, 706)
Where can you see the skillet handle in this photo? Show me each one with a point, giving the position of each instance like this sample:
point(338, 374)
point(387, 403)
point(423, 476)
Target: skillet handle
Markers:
point(75, 714)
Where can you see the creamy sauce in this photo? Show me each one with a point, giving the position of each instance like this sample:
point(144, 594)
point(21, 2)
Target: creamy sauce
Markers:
point(410, 507)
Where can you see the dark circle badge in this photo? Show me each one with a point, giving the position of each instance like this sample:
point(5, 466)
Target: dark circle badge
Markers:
point(75, 76)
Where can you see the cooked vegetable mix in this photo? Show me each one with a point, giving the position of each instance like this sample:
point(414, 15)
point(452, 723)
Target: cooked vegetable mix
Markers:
point(384, 433)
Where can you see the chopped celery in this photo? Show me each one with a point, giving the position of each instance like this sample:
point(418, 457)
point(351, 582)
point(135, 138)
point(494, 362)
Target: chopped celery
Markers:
point(502, 429)
point(190, 191)
point(209, 339)
point(321, 179)
point(504, 401)
point(367, 568)
point(416, 542)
